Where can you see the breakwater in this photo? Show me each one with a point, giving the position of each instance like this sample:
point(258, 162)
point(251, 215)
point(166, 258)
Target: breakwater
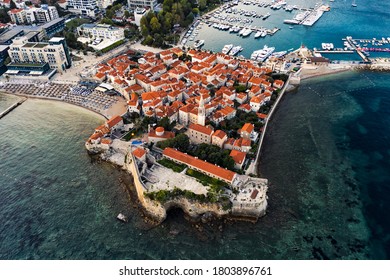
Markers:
point(11, 108)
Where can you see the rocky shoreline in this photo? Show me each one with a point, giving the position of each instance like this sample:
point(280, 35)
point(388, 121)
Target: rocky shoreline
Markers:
point(155, 212)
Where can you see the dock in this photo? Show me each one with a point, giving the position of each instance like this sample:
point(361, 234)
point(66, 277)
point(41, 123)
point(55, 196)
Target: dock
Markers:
point(335, 51)
point(350, 40)
point(12, 107)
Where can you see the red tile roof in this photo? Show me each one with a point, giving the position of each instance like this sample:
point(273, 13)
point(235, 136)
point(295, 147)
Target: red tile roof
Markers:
point(200, 128)
point(248, 127)
point(219, 134)
point(166, 135)
point(15, 11)
point(262, 116)
point(207, 167)
point(139, 152)
point(113, 121)
point(238, 156)
point(95, 136)
point(106, 141)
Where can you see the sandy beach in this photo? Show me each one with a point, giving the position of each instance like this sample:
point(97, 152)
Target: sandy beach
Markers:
point(94, 101)
point(322, 70)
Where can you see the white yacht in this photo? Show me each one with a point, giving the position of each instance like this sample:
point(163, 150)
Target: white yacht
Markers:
point(235, 50)
point(263, 54)
point(226, 49)
point(198, 44)
point(247, 32)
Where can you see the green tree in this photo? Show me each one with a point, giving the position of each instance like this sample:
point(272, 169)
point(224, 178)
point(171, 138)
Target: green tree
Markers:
point(164, 122)
point(127, 14)
point(202, 4)
point(155, 25)
point(110, 13)
point(168, 19)
point(167, 5)
point(107, 21)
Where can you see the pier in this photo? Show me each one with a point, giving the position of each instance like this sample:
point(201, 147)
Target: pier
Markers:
point(335, 51)
point(357, 49)
point(11, 108)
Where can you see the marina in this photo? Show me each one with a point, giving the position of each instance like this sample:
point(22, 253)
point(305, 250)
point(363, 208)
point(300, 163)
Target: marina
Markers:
point(308, 17)
point(234, 17)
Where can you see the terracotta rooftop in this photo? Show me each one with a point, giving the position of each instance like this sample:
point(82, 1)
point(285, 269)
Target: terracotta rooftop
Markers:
point(159, 129)
point(166, 135)
point(139, 152)
point(238, 156)
point(106, 141)
point(248, 127)
point(113, 121)
point(220, 172)
point(219, 134)
point(200, 128)
point(95, 136)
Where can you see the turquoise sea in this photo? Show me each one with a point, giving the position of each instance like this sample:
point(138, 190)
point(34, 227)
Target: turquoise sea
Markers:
point(326, 155)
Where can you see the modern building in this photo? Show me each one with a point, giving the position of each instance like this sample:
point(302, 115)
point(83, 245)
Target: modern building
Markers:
point(102, 4)
point(7, 37)
point(53, 27)
point(18, 16)
point(41, 15)
point(142, 4)
point(35, 59)
point(138, 14)
point(101, 31)
point(3, 57)
point(83, 7)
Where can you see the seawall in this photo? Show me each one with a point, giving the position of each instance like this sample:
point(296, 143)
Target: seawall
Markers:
point(11, 108)
point(266, 125)
point(158, 211)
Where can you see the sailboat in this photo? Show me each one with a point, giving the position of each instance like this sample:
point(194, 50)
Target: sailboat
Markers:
point(354, 3)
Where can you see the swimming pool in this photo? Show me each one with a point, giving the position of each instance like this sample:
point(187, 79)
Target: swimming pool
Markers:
point(136, 142)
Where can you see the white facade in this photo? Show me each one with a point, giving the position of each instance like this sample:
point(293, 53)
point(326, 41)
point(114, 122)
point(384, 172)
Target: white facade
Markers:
point(142, 3)
point(138, 14)
point(18, 16)
point(201, 112)
point(102, 4)
point(24, 52)
point(41, 15)
point(102, 31)
point(84, 7)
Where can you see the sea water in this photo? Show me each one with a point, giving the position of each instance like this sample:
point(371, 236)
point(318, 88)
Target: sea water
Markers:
point(326, 155)
point(366, 21)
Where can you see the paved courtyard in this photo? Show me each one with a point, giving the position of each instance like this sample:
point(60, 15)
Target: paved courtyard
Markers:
point(162, 178)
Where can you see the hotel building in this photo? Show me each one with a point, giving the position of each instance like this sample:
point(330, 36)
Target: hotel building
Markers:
point(30, 58)
point(83, 7)
point(102, 31)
